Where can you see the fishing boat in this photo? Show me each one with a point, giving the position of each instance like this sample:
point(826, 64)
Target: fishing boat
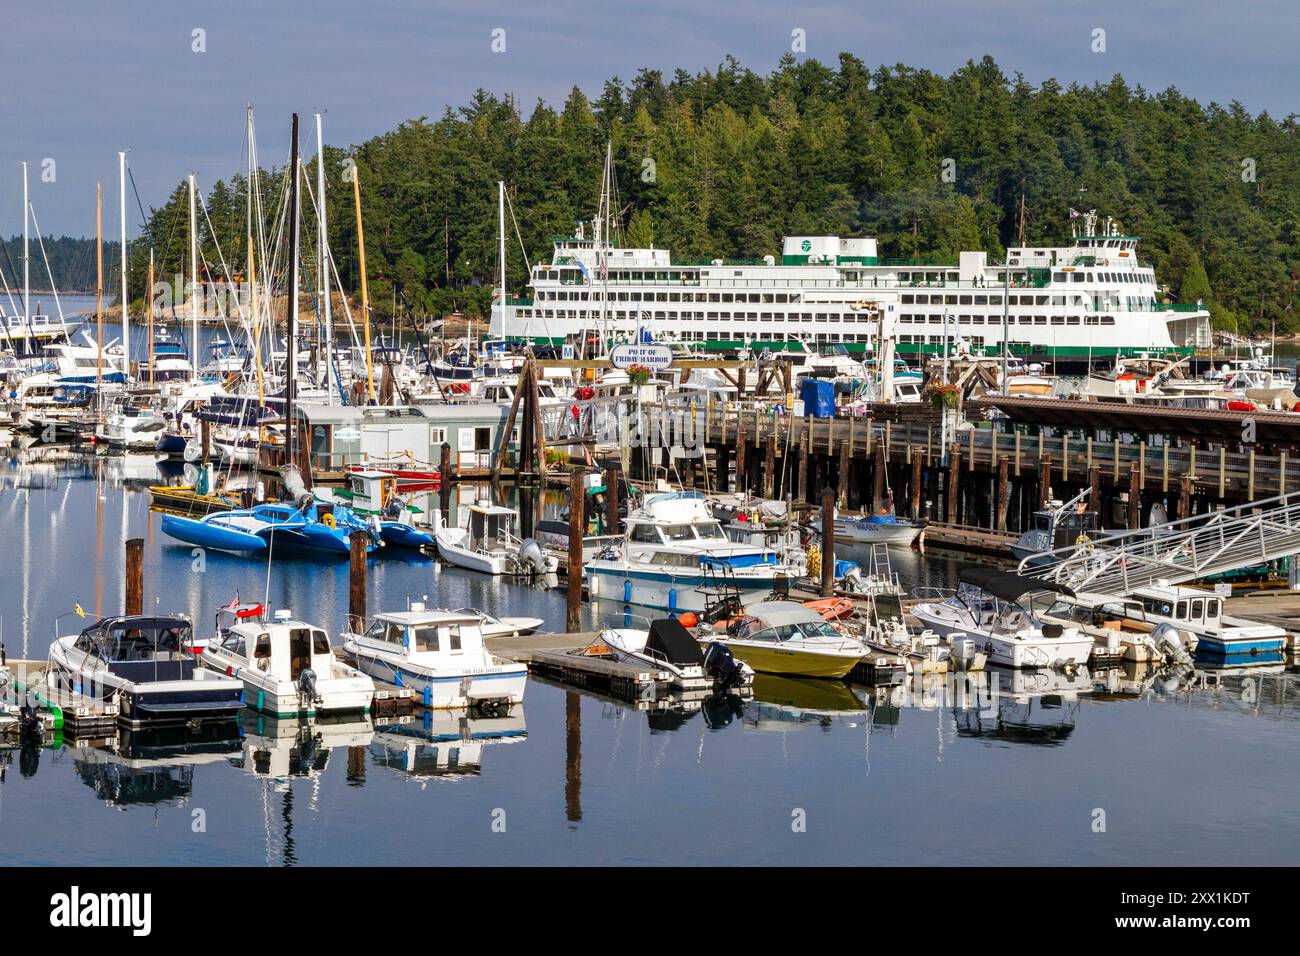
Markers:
point(1216, 637)
point(286, 666)
point(149, 663)
point(784, 637)
point(882, 528)
point(675, 556)
point(315, 528)
point(1059, 525)
point(439, 654)
point(487, 543)
point(995, 610)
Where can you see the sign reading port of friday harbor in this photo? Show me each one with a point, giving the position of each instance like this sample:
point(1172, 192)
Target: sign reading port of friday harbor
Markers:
point(654, 357)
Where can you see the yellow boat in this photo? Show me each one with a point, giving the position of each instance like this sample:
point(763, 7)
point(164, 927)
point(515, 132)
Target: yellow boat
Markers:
point(784, 637)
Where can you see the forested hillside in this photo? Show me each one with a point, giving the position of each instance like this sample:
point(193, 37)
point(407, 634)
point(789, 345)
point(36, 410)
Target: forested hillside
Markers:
point(723, 163)
point(71, 262)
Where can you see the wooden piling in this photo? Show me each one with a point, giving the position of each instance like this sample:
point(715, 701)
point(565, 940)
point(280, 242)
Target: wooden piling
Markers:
point(802, 491)
point(1134, 498)
point(613, 524)
point(918, 479)
point(741, 455)
point(1044, 480)
point(577, 512)
point(1003, 495)
point(828, 543)
point(954, 482)
point(769, 466)
point(444, 483)
point(135, 576)
point(878, 480)
point(842, 491)
point(1094, 489)
point(359, 542)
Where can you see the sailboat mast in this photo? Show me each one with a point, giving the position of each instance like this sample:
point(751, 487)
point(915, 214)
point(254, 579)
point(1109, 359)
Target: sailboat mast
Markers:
point(27, 259)
point(291, 386)
point(194, 288)
point(365, 293)
point(501, 239)
point(322, 258)
point(99, 288)
point(148, 298)
point(126, 320)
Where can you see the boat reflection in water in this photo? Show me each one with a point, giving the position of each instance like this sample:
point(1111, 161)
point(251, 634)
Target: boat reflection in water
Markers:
point(154, 766)
point(445, 744)
point(281, 748)
point(791, 703)
point(1019, 705)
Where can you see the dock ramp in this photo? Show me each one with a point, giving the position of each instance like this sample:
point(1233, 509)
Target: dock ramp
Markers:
point(1177, 552)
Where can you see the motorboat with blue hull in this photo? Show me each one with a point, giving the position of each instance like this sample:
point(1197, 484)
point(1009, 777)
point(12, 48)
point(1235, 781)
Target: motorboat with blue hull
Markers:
point(149, 664)
point(1218, 637)
point(676, 557)
point(315, 527)
point(438, 654)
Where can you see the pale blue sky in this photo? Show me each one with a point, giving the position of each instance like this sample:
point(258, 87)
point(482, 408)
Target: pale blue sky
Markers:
point(85, 78)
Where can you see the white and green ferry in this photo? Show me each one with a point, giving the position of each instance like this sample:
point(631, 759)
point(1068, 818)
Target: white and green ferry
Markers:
point(1090, 300)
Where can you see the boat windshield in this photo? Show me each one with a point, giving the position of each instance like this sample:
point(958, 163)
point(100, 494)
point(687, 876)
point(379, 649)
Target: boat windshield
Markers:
point(802, 631)
point(144, 641)
point(707, 531)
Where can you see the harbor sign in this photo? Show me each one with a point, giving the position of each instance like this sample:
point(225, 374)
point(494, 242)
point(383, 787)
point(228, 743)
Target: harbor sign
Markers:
point(654, 357)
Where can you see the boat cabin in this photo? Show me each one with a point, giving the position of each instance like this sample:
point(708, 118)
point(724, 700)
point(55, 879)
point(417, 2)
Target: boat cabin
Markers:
point(283, 648)
point(1187, 607)
point(454, 635)
point(142, 648)
point(490, 526)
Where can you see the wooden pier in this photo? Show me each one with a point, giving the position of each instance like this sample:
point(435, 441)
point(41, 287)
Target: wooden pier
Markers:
point(986, 476)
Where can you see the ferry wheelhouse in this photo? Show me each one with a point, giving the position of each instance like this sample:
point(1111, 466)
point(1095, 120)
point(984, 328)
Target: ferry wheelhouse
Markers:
point(1091, 298)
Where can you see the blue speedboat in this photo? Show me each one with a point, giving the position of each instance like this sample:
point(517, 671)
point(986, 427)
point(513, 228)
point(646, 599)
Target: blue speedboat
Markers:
point(314, 528)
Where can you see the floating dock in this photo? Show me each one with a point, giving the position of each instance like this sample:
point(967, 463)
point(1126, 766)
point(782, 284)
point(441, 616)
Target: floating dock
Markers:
point(75, 713)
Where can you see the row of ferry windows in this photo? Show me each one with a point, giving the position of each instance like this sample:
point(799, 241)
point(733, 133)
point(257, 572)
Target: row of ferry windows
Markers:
point(820, 337)
point(923, 299)
point(560, 295)
point(699, 316)
point(907, 318)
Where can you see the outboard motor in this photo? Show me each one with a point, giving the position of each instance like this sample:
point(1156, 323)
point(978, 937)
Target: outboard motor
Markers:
point(293, 482)
point(531, 558)
point(307, 684)
point(1169, 643)
point(721, 664)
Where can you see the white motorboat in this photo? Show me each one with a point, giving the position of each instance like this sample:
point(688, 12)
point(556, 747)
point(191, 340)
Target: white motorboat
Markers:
point(147, 662)
point(676, 557)
point(439, 654)
point(668, 647)
point(785, 637)
point(487, 543)
point(287, 666)
point(882, 528)
point(995, 610)
point(504, 626)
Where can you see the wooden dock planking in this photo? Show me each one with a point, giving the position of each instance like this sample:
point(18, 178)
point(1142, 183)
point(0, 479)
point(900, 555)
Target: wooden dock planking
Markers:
point(556, 656)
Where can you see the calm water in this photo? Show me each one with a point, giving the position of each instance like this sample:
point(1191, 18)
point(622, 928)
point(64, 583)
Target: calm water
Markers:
point(931, 774)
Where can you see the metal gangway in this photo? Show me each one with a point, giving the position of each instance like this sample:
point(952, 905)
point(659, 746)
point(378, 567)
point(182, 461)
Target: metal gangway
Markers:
point(1176, 552)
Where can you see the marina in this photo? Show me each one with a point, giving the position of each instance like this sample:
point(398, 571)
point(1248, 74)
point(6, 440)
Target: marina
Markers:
point(789, 461)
